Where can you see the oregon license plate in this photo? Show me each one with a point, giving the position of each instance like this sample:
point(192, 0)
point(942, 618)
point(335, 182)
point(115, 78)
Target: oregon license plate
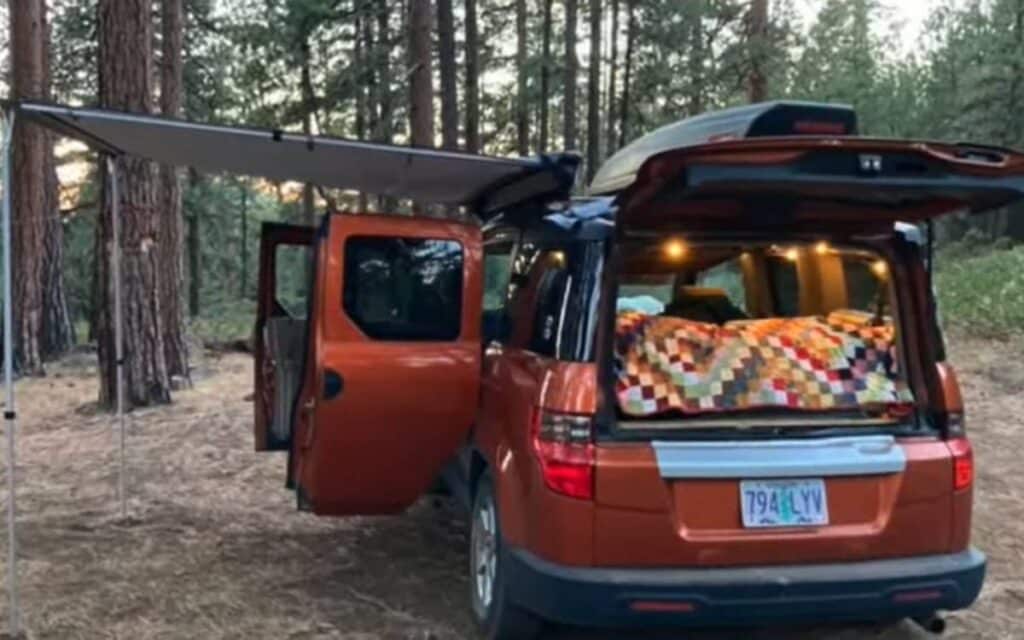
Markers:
point(783, 503)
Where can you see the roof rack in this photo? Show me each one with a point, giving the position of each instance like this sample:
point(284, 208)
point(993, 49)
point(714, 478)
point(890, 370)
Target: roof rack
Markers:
point(781, 118)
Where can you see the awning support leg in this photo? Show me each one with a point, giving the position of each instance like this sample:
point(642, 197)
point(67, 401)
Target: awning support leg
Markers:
point(10, 416)
point(115, 225)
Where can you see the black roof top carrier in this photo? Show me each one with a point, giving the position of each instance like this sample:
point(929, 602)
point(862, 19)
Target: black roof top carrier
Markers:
point(786, 118)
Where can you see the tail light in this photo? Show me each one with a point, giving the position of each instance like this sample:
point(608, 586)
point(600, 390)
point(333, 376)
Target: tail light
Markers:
point(564, 445)
point(963, 463)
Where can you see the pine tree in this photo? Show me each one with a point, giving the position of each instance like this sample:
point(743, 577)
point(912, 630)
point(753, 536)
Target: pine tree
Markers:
point(125, 83)
point(449, 75)
point(30, 183)
point(571, 71)
point(171, 232)
point(594, 92)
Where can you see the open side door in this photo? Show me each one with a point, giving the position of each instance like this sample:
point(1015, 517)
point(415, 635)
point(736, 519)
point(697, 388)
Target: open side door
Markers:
point(286, 254)
point(818, 184)
point(392, 379)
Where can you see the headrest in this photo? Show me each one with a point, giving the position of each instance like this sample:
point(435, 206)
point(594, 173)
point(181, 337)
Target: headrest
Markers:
point(704, 293)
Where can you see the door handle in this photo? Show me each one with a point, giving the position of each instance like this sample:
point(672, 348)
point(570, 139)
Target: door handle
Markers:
point(334, 384)
point(309, 405)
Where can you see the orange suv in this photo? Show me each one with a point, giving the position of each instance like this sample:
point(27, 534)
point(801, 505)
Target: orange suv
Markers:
point(713, 392)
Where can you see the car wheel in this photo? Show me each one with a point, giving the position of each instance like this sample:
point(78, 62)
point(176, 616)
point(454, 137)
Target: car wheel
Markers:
point(497, 617)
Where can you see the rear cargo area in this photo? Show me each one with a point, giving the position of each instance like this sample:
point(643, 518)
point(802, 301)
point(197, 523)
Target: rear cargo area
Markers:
point(746, 329)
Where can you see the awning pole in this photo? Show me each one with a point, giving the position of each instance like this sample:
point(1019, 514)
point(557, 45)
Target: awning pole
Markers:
point(115, 225)
point(10, 417)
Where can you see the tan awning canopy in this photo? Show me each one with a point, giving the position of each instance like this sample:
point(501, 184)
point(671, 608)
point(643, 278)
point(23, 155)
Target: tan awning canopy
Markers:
point(483, 183)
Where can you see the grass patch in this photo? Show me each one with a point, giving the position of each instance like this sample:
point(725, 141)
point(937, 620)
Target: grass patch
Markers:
point(981, 291)
point(225, 322)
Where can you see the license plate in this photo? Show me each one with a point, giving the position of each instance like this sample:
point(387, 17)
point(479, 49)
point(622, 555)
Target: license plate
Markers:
point(783, 503)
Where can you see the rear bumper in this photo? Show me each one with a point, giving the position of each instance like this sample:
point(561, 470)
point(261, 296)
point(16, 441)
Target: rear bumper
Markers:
point(876, 590)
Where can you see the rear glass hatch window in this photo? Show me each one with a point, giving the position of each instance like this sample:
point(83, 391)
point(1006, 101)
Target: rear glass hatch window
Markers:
point(786, 331)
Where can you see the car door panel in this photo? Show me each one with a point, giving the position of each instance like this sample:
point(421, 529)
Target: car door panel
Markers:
point(393, 387)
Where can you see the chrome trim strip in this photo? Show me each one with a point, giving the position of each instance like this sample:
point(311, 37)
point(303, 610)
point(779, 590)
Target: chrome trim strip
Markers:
point(847, 456)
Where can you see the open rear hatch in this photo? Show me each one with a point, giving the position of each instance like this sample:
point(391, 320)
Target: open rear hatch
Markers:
point(677, 500)
point(799, 184)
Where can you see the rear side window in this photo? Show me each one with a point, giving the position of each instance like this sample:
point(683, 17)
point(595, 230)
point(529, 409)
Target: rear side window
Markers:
point(404, 288)
point(551, 305)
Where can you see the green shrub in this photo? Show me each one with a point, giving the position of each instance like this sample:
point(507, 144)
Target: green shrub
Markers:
point(982, 293)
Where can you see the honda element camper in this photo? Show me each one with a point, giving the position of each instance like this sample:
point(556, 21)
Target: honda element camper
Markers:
point(711, 392)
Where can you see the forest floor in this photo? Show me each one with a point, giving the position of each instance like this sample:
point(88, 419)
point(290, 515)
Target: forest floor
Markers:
point(214, 548)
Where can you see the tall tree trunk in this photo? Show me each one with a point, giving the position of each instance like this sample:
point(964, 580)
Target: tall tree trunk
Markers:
point(594, 92)
point(696, 60)
point(195, 247)
point(30, 183)
point(545, 78)
point(472, 79)
point(627, 74)
point(58, 331)
point(359, 57)
point(613, 63)
point(171, 225)
point(243, 278)
point(385, 100)
point(125, 83)
point(385, 96)
point(449, 75)
point(522, 107)
point(421, 90)
point(757, 83)
point(571, 71)
point(308, 106)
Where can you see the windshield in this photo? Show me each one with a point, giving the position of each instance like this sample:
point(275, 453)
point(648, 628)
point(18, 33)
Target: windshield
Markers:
point(726, 328)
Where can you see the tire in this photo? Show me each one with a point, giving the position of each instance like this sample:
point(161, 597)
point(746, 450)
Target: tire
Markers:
point(497, 617)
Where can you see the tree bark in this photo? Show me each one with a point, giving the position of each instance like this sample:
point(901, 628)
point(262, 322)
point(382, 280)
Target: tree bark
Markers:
point(545, 78)
point(243, 279)
point(58, 331)
point(522, 108)
point(171, 225)
point(594, 92)
point(421, 90)
point(384, 131)
point(757, 83)
point(308, 106)
point(571, 72)
point(125, 83)
point(449, 75)
point(365, 92)
point(195, 247)
point(696, 60)
point(627, 74)
point(613, 62)
point(472, 79)
point(29, 198)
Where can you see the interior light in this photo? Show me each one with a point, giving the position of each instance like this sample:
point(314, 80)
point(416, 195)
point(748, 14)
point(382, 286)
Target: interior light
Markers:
point(792, 254)
point(558, 258)
point(675, 249)
point(880, 268)
point(821, 248)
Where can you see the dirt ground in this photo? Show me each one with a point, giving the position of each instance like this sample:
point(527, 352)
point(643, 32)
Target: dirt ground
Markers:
point(214, 548)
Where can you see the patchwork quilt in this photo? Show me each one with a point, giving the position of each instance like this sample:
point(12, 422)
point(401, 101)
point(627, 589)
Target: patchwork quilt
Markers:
point(812, 363)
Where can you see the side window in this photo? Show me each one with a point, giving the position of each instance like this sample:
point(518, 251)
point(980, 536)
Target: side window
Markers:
point(785, 286)
point(549, 315)
point(292, 274)
point(729, 278)
point(497, 271)
point(404, 288)
point(865, 290)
